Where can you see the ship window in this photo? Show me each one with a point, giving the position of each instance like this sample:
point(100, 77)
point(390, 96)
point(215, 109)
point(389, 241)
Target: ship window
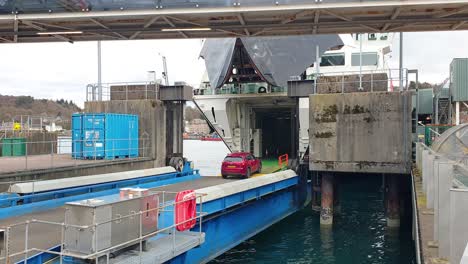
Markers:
point(368, 59)
point(372, 36)
point(333, 60)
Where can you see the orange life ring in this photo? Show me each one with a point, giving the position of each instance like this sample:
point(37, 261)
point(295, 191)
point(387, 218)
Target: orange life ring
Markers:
point(185, 209)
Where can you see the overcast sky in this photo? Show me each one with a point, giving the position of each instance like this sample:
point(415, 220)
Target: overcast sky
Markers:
point(62, 70)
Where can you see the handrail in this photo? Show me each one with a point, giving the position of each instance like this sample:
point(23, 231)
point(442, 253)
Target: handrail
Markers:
point(283, 160)
point(96, 253)
point(416, 221)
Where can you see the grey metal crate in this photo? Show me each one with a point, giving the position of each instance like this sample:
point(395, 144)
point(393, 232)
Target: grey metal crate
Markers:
point(100, 211)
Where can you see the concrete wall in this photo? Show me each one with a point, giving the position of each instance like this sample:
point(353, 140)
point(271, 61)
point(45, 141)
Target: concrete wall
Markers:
point(458, 223)
point(360, 132)
point(419, 150)
point(430, 181)
point(442, 214)
point(81, 170)
point(152, 124)
point(448, 197)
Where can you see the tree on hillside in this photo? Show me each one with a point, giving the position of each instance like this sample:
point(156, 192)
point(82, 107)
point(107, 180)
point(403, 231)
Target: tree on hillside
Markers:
point(192, 113)
point(24, 101)
point(424, 85)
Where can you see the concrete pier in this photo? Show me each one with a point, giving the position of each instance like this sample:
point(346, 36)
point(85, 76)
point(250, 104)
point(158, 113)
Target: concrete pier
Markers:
point(360, 132)
point(392, 200)
point(326, 212)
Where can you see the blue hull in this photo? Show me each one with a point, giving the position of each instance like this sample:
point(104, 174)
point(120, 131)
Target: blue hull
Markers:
point(232, 219)
point(227, 229)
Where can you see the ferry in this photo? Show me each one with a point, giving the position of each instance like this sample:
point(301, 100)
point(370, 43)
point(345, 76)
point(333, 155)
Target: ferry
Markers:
point(251, 112)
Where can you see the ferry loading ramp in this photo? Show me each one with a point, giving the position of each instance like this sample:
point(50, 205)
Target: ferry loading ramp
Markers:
point(70, 21)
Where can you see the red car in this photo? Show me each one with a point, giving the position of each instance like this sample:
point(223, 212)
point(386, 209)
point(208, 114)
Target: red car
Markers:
point(240, 164)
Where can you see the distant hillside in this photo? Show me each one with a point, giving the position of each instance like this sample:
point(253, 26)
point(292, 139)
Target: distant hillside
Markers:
point(11, 107)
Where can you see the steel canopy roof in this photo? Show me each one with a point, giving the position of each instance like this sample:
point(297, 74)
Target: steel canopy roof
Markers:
point(81, 20)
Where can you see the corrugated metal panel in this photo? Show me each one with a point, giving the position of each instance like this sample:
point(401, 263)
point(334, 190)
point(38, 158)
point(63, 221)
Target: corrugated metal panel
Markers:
point(106, 135)
point(425, 102)
point(77, 136)
point(93, 136)
point(459, 79)
point(121, 135)
point(444, 93)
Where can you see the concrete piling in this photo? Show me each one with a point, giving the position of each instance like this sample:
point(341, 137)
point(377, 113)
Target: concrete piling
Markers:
point(316, 185)
point(326, 212)
point(336, 196)
point(392, 200)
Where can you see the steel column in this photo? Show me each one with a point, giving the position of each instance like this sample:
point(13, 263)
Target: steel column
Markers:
point(392, 200)
point(326, 212)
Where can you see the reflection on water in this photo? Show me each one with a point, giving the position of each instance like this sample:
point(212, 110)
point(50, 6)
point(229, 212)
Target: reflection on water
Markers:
point(359, 234)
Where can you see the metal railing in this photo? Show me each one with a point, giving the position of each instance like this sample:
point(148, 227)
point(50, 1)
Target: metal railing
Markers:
point(33, 123)
point(369, 80)
point(432, 132)
point(30, 155)
point(165, 206)
point(122, 91)
point(329, 82)
point(416, 230)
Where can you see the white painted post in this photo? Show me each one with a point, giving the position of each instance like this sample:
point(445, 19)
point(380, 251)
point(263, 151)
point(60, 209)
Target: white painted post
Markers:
point(99, 71)
point(401, 61)
point(317, 67)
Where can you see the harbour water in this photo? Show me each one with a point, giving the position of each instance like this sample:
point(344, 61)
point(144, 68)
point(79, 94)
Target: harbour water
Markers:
point(359, 233)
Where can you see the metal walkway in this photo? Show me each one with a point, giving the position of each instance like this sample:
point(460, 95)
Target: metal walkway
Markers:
point(46, 236)
point(70, 21)
point(162, 250)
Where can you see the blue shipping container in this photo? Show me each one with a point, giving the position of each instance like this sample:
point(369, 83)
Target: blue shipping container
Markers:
point(109, 136)
point(77, 137)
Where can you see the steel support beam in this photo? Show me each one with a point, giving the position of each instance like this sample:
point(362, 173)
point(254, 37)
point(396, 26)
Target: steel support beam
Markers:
point(242, 22)
point(147, 25)
point(235, 10)
point(174, 26)
point(230, 21)
point(15, 29)
point(458, 25)
point(395, 14)
point(6, 40)
point(202, 25)
point(316, 21)
point(451, 13)
point(95, 21)
point(31, 24)
point(392, 200)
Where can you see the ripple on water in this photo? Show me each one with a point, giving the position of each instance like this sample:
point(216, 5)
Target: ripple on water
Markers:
point(359, 235)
